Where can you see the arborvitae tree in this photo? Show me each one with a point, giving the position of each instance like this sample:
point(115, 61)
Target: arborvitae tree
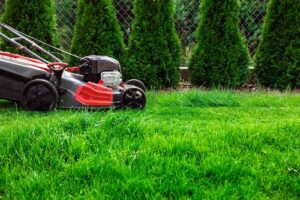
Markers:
point(278, 56)
point(154, 47)
point(36, 18)
point(221, 57)
point(167, 9)
point(97, 30)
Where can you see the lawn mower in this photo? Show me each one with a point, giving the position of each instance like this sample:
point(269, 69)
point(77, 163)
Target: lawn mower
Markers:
point(40, 85)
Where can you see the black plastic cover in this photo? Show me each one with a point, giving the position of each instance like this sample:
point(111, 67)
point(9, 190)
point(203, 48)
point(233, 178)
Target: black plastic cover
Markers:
point(91, 67)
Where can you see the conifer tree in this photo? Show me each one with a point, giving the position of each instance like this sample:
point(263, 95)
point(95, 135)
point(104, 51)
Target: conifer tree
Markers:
point(174, 43)
point(97, 30)
point(36, 18)
point(154, 47)
point(278, 55)
point(221, 57)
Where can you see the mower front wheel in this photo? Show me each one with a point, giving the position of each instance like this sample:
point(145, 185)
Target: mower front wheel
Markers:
point(134, 98)
point(39, 95)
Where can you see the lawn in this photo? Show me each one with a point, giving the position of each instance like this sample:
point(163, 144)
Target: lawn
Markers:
point(185, 145)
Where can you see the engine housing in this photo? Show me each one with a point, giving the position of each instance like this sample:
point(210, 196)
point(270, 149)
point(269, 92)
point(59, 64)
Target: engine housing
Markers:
point(91, 67)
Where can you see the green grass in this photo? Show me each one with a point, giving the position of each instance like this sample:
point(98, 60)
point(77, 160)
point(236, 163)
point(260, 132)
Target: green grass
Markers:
point(185, 145)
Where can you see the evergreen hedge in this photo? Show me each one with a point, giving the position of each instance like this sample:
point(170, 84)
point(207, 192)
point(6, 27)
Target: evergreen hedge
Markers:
point(174, 44)
point(36, 18)
point(278, 55)
point(97, 30)
point(221, 57)
point(154, 52)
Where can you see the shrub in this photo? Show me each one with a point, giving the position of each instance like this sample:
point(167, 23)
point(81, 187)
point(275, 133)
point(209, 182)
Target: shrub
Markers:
point(97, 30)
point(36, 18)
point(220, 58)
point(154, 47)
point(167, 10)
point(278, 56)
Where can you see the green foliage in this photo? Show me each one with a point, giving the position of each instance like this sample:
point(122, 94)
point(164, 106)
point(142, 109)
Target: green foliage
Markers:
point(173, 42)
point(1, 5)
point(220, 57)
point(252, 13)
point(278, 56)
point(36, 18)
point(97, 30)
point(154, 52)
point(185, 145)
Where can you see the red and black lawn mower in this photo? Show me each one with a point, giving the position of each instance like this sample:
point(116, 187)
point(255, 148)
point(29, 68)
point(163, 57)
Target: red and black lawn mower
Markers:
point(40, 85)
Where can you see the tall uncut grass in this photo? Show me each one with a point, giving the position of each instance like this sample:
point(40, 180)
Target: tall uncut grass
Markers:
point(185, 145)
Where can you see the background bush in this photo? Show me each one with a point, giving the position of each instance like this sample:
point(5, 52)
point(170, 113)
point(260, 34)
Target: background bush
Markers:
point(97, 30)
point(167, 9)
point(186, 20)
point(278, 56)
point(220, 58)
point(33, 17)
point(154, 47)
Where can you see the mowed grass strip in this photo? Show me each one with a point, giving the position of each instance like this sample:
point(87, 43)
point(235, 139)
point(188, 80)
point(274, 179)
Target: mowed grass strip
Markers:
point(185, 145)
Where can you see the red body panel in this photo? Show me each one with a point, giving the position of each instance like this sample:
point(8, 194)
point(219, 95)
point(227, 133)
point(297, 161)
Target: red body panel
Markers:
point(92, 94)
point(26, 60)
point(73, 69)
point(33, 62)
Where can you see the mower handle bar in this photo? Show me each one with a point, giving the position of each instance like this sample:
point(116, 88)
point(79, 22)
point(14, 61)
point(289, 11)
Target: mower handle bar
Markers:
point(26, 50)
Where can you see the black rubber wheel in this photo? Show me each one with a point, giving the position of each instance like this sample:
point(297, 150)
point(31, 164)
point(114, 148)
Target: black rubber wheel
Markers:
point(39, 95)
point(137, 83)
point(133, 98)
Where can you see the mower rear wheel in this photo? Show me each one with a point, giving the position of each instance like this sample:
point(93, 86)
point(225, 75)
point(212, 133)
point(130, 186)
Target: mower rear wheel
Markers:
point(134, 98)
point(137, 83)
point(39, 95)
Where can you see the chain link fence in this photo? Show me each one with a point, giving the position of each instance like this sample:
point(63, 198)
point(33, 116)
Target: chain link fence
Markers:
point(186, 18)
